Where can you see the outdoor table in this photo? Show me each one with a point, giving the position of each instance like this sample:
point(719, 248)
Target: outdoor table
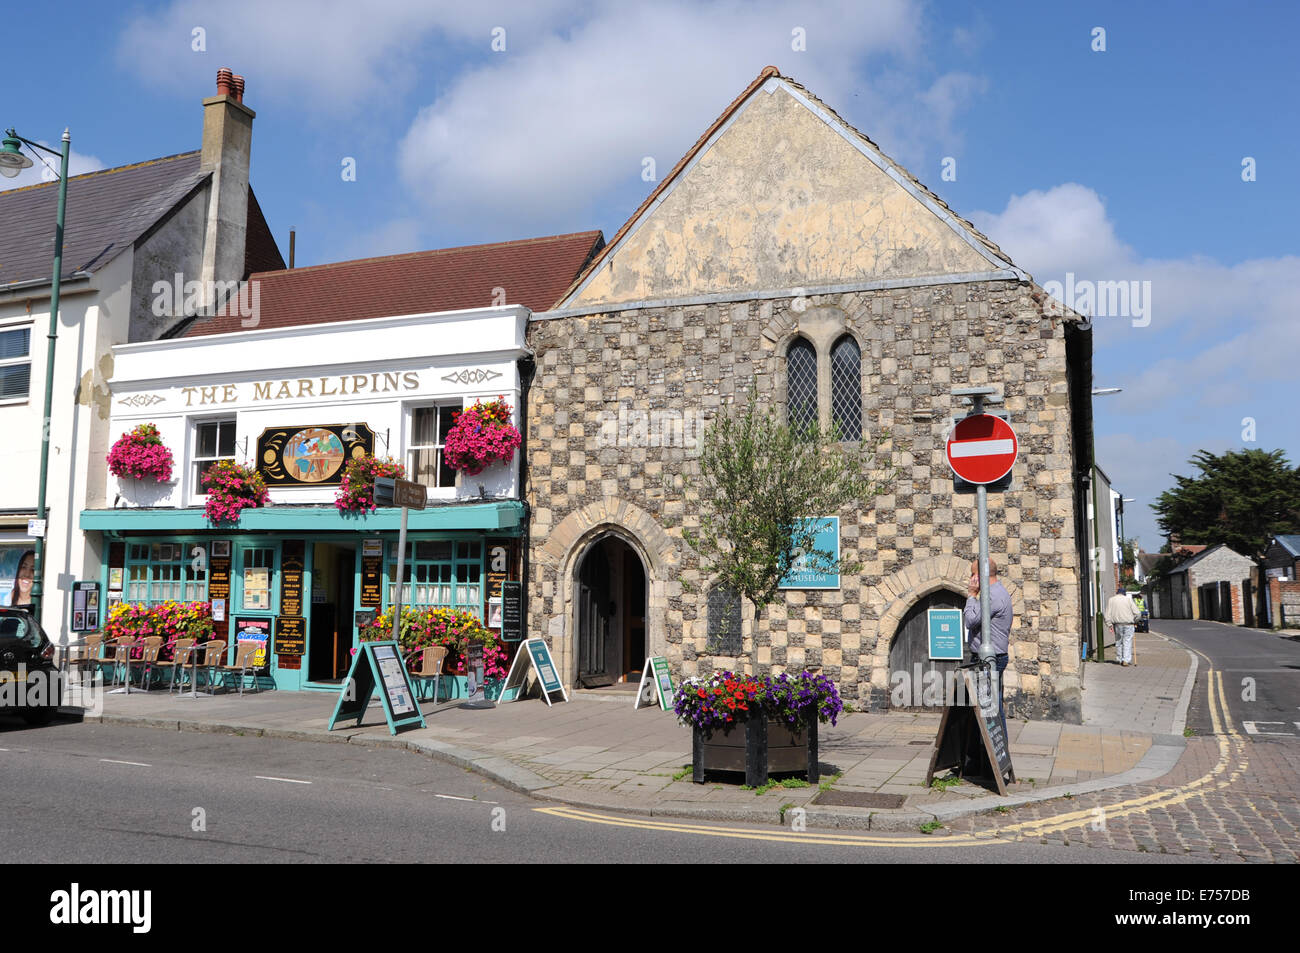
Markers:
point(194, 653)
point(134, 644)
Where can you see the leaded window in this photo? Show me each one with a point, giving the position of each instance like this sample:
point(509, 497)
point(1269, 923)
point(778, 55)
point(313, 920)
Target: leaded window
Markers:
point(440, 572)
point(801, 372)
point(725, 635)
point(163, 572)
point(846, 388)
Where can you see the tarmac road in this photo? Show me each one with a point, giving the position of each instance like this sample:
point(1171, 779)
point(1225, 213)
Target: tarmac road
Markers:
point(90, 793)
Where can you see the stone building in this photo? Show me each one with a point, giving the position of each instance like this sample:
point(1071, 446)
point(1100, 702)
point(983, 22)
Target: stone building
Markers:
point(786, 252)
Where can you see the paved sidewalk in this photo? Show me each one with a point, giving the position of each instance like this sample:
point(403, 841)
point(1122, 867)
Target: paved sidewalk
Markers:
point(595, 751)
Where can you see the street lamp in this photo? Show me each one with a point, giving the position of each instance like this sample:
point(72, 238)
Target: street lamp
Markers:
point(12, 161)
point(1122, 500)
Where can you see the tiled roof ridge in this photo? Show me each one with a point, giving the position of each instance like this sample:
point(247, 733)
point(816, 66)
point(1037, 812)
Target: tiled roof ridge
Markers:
point(87, 175)
point(766, 73)
point(429, 253)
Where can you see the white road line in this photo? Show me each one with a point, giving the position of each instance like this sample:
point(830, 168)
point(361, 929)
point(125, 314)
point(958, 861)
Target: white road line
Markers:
point(452, 797)
point(138, 764)
point(981, 448)
point(263, 777)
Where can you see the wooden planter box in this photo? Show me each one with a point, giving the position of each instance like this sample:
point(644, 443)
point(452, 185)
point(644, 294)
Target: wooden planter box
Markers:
point(757, 747)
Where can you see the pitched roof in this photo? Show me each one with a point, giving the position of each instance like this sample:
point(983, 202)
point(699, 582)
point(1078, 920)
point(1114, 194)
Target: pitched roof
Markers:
point(771, 72)
point(1205, 551)
point(106, 212)
point(1290, 542)
point(531, 272)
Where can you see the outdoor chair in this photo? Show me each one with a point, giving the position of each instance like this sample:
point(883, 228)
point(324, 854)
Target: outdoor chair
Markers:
point(116, 655)
point(84, 655)
point(213, 652)
point(179, 657)
point(148, 659)
point(243, 664)
point(431, 659)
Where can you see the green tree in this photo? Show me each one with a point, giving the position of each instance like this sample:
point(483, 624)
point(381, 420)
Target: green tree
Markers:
point(761, 483)
point(1239, 498)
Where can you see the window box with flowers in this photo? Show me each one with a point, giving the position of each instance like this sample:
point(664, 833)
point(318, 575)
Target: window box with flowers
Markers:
point(143, 464)
point(424, 626)
point(481, 436)
point(356, 493)
point(756, 724)
point(232, 488)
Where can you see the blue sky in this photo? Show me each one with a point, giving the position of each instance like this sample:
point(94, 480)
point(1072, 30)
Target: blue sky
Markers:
point(1115, 165)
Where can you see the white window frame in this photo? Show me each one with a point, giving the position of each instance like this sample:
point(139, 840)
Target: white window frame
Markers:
point(197, 463)
point(412, 447)
point(18, 361)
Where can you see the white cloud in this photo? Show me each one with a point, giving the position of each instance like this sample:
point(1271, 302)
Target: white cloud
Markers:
point(561, 124)
point(334, 55)
point(1219, 335)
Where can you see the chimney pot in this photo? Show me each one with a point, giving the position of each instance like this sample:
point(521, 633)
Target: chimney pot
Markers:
point(224, 82)
point(237, 82)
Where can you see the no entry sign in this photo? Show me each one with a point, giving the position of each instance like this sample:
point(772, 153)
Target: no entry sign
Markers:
point(982, 448)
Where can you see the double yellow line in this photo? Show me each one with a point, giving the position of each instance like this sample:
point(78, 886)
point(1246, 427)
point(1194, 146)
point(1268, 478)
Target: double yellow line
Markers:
point(1222, 775)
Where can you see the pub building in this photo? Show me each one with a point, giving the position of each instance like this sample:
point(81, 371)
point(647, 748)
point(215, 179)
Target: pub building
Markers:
point(341, 361)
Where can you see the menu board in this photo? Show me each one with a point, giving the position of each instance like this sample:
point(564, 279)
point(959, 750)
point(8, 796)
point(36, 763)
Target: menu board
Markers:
point(219, 572)
point(372, 563)
point(254, 630)
point(512, 611)
point(290, 636)
point(377, 664)
point(291, 569)
point(392, 675)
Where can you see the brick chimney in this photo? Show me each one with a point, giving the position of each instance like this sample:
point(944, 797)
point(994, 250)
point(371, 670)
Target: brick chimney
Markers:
point(227, 140)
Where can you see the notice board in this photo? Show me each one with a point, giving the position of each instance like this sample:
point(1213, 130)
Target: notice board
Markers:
point(378, 665)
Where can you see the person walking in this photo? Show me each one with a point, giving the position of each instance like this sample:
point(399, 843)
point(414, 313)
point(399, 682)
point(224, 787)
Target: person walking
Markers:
point(1121, 615)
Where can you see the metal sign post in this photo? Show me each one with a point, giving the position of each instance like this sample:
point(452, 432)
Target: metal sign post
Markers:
point(390, 491)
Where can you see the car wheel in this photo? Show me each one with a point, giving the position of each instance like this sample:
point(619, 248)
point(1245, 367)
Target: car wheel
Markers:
point(38, 716)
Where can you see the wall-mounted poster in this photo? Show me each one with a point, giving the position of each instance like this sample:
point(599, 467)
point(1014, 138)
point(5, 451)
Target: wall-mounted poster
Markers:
point(254, 630)
point(257, 588)
point(809, 569)
point(311, 455)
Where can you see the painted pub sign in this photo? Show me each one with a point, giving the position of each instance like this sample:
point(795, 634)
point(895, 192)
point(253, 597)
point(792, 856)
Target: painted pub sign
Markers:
point(311, 455)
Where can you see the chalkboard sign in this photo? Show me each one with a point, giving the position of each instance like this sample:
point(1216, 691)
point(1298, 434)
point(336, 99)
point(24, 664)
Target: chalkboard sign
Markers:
point(656, 680)
point(972, 740)
point(372, 559)
point(512, 611)
point(290, 636)
point(537, 656)
point(378, 664)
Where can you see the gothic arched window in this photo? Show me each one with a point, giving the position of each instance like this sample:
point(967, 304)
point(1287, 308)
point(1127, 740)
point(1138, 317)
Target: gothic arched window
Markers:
point(846, 388)
point(801, 379)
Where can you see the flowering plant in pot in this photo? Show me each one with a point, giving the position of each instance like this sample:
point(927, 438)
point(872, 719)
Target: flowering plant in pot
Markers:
point(141, 455)
point(232, 487)
point(480, 436)
point(356, 493)
point(756, 723)
point(425, 626)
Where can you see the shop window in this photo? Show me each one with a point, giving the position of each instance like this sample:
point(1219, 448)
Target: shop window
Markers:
point(801, 371)
point(163, 572)
point(846, 388)
point(724, 620)
point(213, 440)
point(439, 573)
point(15, 363)
point(257, 578)
point(429, 427)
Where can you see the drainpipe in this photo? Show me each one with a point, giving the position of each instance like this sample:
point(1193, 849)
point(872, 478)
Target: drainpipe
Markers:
point(527, 370)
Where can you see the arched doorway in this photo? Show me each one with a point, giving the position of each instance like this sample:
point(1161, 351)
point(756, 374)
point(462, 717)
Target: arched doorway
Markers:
point(611, 613)
point(909, 656)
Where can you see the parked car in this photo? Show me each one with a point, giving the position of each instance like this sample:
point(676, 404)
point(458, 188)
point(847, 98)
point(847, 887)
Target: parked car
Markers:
point(29, 679)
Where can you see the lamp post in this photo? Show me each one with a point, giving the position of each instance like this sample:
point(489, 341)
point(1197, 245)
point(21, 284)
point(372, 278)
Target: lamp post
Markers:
point(1096, 536)
point(1122, 500)
point(12, 161)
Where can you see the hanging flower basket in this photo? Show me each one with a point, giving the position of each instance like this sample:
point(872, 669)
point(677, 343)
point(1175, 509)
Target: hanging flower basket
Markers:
point(232, 487)
point(357, 490)
point(481, 436)
point(141, 455)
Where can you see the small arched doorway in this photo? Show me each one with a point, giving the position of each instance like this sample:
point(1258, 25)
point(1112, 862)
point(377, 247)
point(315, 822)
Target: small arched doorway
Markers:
point(909, 657)
point(610, 602)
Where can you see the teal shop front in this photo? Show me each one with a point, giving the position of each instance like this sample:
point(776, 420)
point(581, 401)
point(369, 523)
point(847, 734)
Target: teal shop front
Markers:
point(299, 576)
